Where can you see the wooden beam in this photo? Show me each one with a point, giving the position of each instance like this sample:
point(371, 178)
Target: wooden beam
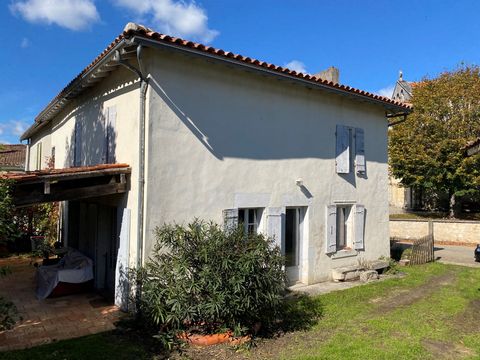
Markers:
point(76, 175)
point(71, 194)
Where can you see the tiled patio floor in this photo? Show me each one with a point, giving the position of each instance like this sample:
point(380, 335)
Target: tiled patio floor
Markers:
point(51, 319)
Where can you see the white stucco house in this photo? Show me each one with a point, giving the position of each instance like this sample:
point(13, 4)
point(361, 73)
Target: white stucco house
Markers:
point(187, 131)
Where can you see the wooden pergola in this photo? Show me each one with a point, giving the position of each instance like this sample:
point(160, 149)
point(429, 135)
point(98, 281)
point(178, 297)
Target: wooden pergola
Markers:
point(75, 183)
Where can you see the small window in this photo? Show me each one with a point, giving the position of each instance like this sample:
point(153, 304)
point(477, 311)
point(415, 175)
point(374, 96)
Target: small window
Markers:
point(250, 219)
point(344, 227)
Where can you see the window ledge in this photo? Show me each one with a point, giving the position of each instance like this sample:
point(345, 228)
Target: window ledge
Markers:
point(344, 253)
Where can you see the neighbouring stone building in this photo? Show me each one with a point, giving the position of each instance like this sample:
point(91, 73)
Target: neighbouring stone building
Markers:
point(12, 157)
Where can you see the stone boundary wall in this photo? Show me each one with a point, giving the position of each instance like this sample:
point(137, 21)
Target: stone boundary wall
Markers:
point(461, 232)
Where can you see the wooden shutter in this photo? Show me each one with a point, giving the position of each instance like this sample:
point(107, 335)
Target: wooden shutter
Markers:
point(342, 151)
point(360, 151)
point(111, 140)
point(38, 164)
point(331, 229)
point(122, 287)
point(104, 124)
point(230, 219)
point(77, 156)
point(275, 216)
point(359, 227)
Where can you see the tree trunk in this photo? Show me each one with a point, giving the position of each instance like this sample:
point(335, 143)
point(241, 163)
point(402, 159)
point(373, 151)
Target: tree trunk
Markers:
point(454, 208)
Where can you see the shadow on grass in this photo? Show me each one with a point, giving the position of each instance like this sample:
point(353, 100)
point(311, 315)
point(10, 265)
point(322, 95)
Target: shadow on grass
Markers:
point(299, 313)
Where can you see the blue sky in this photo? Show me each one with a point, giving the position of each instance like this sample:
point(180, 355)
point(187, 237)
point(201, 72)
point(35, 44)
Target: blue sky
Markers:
point(48, 42)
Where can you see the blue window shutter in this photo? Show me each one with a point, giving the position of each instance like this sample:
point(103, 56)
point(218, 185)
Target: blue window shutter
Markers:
point(122, 285)
point(342, 150)
point(360, 151)
point(359, 227)
point(331, 238)
point(111, 136)
point(77, 155)
point(230, 219)
point(275, 216)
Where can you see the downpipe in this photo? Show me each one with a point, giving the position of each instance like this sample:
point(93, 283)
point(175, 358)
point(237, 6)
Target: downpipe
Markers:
point(141, 154)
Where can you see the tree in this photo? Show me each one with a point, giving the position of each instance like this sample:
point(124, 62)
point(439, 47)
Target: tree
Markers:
point(7, 209)
point(426, 151)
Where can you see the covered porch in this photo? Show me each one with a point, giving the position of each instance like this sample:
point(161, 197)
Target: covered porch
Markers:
point(94, 221)
point(51, 319)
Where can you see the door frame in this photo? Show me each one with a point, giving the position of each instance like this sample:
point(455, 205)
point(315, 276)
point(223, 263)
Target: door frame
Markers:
point(294, 272)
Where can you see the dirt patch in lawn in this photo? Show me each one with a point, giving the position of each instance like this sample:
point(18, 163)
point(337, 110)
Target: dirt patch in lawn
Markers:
point(273, 348)
point(404, 298)
point(446, 350)
point(468, 321)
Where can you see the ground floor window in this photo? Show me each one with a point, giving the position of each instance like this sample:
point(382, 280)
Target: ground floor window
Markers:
point(250, 219)
point(344, 227)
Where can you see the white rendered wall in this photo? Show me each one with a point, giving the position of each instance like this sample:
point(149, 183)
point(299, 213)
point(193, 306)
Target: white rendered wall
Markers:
point(119, 89)
point(220, 138)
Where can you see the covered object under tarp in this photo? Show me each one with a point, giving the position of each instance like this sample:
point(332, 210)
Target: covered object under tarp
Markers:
point(73, 268)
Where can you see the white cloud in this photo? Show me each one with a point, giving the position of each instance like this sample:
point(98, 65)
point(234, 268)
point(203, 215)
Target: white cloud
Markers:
point(13, 128)
point(297, 66)
point(386, 91)
point(18, 127)
point(70, 14)
point(25, 43)
point(178, 18)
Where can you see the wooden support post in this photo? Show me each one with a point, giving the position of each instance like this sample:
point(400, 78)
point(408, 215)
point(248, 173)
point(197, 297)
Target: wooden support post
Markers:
point(432, 240)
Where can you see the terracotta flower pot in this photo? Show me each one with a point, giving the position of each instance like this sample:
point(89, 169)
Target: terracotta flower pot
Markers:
point(213, 339)
point(206, 340)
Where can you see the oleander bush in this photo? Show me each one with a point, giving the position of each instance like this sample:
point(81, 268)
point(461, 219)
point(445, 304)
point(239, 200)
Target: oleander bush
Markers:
point(204, 279)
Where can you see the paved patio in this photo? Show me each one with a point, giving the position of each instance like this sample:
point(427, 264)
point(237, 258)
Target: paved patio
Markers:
point(51, 319)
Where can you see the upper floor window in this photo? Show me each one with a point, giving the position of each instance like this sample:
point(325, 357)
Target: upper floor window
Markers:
point(350, 150)
point(110, 117)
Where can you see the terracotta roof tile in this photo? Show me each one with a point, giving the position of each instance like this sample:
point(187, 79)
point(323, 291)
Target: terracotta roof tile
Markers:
point(12, 155)
point(149, 33)
point(30, 175)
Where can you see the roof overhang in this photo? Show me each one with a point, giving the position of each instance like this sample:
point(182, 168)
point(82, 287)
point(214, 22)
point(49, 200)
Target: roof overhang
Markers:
point(102, 66)
point(134, 34)
point(75, 183)
point(392, 108)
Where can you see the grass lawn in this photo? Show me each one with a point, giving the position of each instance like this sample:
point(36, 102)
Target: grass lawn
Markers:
point(433, 312)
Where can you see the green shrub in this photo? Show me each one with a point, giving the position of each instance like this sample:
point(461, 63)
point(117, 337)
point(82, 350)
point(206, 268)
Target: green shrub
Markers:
point(200, 278)
point(8, 314)
point(7, 226)
point(407, 254)
point(8, 311)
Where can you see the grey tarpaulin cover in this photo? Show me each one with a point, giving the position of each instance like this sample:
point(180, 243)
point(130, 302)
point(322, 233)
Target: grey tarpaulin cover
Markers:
point(74, 267)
